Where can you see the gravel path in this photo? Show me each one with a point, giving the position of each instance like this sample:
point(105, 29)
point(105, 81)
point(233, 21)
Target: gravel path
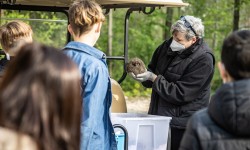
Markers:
point(138, 104)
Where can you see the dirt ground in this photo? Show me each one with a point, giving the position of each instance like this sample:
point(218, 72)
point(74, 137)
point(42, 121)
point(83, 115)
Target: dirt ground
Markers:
point(138, 104)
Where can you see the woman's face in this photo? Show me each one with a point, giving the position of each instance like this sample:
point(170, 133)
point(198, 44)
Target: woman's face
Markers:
point(180, 38)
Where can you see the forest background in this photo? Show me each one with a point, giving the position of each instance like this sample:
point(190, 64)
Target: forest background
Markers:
point(146, 32)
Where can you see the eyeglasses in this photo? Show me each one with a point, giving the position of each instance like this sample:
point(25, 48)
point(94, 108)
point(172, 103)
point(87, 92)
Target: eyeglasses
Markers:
point(187, 24)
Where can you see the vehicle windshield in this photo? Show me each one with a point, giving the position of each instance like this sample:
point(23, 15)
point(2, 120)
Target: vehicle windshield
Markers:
point(49, 28)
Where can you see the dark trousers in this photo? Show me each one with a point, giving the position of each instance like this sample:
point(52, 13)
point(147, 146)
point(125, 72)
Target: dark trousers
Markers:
point(176, 136)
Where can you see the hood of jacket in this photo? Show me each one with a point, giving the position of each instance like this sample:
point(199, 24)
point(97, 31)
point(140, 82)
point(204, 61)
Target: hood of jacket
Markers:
point(230, 107)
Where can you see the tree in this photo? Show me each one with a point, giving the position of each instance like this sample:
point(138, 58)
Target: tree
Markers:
point(168, 23)
point(236, 15)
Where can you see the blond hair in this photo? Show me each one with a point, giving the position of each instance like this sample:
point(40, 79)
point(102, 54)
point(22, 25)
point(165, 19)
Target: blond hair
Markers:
point(83, 14)
point(13, 33)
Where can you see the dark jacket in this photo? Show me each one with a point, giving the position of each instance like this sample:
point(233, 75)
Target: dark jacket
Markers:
point(183, 81)
point(225, 124)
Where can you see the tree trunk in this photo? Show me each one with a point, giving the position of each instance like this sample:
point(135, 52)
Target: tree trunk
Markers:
point(236, 15)
point(168, 23)
point(214, 40)
point(110, 39)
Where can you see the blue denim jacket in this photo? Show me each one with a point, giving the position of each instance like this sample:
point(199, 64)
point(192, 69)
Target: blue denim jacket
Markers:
point(97, 132)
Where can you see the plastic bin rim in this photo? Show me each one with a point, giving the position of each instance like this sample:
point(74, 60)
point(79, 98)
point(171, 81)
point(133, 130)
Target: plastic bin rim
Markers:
point(144, 117)
point(148, 118)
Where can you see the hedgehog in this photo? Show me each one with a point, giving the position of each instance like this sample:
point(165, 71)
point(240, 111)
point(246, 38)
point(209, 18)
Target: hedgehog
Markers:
point(136, 66)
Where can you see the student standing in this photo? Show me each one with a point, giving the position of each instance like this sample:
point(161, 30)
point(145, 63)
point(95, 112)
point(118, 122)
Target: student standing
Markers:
point(224, 125)
point(85, 18)
point(40, 107)
point(13, 35)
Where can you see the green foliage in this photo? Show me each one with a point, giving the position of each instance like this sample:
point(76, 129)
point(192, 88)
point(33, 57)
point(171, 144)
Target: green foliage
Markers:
point(217, 16)
point(146, 32)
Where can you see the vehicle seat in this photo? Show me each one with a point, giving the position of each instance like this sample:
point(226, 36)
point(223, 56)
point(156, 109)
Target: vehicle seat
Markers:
point(118, 98)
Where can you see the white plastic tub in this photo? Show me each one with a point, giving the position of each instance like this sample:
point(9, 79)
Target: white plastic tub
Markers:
point(145, 132)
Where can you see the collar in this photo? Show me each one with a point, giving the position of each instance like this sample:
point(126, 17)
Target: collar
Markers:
point(191, 49)
point(85, 48)
point(7, 56)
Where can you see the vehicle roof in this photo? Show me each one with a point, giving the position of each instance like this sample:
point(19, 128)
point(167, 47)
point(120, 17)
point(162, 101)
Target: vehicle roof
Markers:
point(104, 3)
point(129, 3)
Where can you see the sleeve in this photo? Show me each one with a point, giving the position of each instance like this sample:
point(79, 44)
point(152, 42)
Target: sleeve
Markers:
point(95, 91)
point(190, 140)
point(196, 77)
point(152, 65)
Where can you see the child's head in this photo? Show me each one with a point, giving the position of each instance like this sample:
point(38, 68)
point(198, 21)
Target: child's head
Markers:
point(13, 35)
point(83, 14)
point(235, 55)
point(40, 96)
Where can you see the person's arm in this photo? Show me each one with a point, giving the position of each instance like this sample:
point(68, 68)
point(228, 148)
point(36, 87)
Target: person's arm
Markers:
point(189, 86)
point(152, 64)
point(94, 101)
